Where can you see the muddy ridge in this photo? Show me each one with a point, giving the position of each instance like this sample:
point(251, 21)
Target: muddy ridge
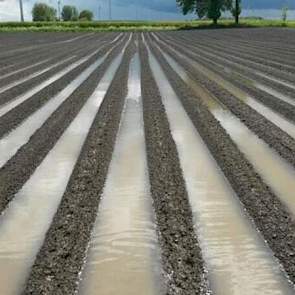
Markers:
point(276, 138)
point(239, 78)
point(19, 168)
point(17, 62)
point(66, 60)
point(181, 255)
point(221, 228)
point(270, 216)
point(14, 117)
point(61, 257)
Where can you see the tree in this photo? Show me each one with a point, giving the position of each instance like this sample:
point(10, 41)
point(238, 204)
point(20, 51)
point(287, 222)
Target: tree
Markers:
point(210, 8)
point(214, 10)
point(284, 13)
point(69, 13)
point(43, 12)
point(236, 10)
point(86, 15)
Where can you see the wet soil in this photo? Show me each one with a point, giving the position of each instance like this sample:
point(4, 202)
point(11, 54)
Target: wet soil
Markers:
point(19, 168)
point(62, 256)
point(14, 117)
point(181, 255)
point(271, 217)
point(266, 130)
point(60, 260)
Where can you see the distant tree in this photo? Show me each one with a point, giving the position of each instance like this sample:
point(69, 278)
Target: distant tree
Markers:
point(69, 13)
point(284, 13)
point(201, 7)
point(43, 12)
point(214, 10)
point(236, 10)
point(86, 15)
point(210, 8)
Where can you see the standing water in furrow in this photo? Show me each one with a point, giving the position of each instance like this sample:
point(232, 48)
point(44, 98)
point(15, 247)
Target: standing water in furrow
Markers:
point(238, 260)
point(36, 74)
point(25, 222)
point(265, 111)
point(20, 135)
point(275, 171)
point(123, 257)
point(19, 99)
point(23, 69)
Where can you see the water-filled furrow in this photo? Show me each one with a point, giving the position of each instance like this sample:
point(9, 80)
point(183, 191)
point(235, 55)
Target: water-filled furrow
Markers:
point(40, 46)
point(19, 136)
point(18, 100)
point(261, 86)
point(256, 56)
point(250, 81)
point(36, 74)
point(238, 260)
point(24, 223)
point(23, 69)
point(231, 60)
point(275, 171)
point(265, 111)
point(274, 58)
point(123, 248)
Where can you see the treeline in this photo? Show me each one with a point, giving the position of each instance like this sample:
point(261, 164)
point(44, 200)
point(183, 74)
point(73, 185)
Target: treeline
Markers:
point(43, 12)
point(211, 9)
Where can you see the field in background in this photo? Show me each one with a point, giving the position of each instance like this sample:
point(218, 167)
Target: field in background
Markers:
point(136, 25)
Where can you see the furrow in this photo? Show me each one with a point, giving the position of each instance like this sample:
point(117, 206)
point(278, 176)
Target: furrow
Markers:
point(16, 90)
point(33, 203)
point(275, 84)
point(283, 104)
point(57, 90)
point(181, 256)
point(124, 242)
point(223, 228)
point(241, 54)
point(275, 171)
point(271, 217)
point(59, 262)
point(20, 76)
point(274, 136)
point(19, 168)
point(14, 52)
point(4, 88)
point(18, 62)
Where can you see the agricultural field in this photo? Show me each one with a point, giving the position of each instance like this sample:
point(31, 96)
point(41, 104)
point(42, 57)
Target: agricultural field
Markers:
point(148, 162)
point(138, 26)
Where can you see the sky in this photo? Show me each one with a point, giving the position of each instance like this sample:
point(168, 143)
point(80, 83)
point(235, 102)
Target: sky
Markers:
point(131, 9)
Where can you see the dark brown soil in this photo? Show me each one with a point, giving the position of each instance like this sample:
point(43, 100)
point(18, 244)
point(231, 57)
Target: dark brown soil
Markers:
point(60, 260)
point(19, 168)
point(18, 114)
point(181, 255)
point(270, 216)
point(266, 130)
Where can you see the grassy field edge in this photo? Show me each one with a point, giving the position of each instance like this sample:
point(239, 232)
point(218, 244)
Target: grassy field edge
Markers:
point(100, 26)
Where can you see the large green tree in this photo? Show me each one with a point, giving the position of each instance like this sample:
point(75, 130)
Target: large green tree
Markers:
point(43, 12)
point(209, 8)
point(69, 13)
point(86, 15)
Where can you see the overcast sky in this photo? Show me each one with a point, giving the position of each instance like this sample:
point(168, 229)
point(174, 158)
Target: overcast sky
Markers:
point(127, 9)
